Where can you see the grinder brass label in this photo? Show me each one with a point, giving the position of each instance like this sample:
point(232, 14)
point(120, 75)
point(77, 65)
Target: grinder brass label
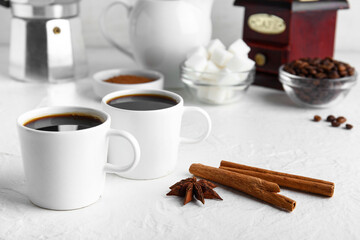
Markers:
point(266, 23)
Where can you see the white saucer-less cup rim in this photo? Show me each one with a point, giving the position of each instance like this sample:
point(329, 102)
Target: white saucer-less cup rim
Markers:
point(102, 88)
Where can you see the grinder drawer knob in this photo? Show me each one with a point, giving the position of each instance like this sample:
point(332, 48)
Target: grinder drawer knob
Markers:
point(260, 59)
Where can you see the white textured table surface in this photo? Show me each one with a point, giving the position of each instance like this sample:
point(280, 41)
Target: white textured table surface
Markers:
point(264, 130)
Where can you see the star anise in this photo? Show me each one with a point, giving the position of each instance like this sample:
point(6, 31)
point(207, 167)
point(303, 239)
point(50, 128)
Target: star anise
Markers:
point(188, 187)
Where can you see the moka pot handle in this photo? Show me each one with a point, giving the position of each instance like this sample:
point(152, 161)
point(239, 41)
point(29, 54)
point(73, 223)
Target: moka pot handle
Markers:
point(5, 3)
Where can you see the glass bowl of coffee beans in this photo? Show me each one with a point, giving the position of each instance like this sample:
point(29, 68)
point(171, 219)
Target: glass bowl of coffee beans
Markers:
point(316, 82)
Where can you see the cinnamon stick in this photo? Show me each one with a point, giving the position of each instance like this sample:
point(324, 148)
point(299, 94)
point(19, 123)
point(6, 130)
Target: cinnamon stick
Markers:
point(253, 186)
point(301, 183)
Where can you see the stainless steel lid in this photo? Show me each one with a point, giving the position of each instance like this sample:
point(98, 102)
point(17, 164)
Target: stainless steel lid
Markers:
point(45, 9)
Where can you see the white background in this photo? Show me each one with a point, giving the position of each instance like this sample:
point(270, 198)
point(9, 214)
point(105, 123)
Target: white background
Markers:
point(227, 23)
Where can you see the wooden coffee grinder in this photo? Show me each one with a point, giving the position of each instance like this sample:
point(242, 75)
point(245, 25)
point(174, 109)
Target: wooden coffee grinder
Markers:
point(279, 31)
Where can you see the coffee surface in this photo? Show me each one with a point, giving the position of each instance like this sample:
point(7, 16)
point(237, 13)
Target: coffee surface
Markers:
point(128, 79)
point(64, 122)
point(142, 102)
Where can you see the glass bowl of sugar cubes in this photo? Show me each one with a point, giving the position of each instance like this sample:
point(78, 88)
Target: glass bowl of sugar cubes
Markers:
point(216, 75)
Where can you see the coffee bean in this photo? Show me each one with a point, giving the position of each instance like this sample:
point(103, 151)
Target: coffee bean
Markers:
point(317, 118)
point(343, 73)
point(341, 67)
point(316, 82)
point(330, 118)
point(320, 75)
point(335, 123)
point(313, 72)
point(304, 71)
point(321, 90)
point(334, 75)
point(351, 71)
point(341, 120)
point(328, 66)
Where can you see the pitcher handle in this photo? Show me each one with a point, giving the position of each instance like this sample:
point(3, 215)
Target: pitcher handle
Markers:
point(103, 26)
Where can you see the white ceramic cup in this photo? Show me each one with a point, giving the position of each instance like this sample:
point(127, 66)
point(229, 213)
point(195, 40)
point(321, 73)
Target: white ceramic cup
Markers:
point(102, 88)
point(157, 131)
point(66, 170)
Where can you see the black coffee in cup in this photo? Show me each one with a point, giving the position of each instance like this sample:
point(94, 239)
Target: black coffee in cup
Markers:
point(64, 122)
point(142, 102)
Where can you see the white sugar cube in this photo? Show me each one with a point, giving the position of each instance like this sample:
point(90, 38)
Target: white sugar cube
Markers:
point(215, 95)
point(200, 51)
point(196, 63)
point(230, 78)
point(239, 48)
point(240, 68)
point(231, 95)
point(210, 72)
point(243, 76)
point(240, 64)
point(211, 67)
point(221, 57)
point(214, 44)
point(203, 93)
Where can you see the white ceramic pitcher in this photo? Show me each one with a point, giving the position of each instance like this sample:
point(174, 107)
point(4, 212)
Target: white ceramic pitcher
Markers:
point(162, 32)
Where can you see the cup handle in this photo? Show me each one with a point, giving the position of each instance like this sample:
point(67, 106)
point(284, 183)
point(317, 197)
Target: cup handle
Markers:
point(208, 125)
point(111, 168)
point(103, 26)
